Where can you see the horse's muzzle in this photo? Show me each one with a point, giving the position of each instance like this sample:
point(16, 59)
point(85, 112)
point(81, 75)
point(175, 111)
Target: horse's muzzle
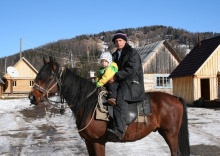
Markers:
point(32, 99)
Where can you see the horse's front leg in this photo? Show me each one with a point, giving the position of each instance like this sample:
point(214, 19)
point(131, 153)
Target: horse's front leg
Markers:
point(95, 148)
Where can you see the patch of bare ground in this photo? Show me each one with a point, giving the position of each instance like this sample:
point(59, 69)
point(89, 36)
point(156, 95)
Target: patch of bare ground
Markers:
point(204, 150)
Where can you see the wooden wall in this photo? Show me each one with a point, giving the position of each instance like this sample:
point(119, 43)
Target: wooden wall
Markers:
point(161, 62)
point(212, 65)
point(149, 84)
point(189, 87)
point(22, 86)
point(209, 70)
point(1, 89)
point(183, 87)
point(25, 71)
point(23, 82)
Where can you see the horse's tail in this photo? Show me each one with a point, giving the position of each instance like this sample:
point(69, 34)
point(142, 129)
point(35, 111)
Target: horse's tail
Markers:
point(183, 137)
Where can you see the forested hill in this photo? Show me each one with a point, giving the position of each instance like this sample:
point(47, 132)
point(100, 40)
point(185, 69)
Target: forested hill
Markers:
point(83, 51)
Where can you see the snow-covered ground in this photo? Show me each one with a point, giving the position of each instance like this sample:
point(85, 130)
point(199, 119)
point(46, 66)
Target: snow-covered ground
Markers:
point(56, 135)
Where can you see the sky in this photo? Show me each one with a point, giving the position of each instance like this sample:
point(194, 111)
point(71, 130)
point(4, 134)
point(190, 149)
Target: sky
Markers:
point(32, 23)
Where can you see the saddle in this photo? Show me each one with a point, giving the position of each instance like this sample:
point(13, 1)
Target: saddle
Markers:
point(137, 111)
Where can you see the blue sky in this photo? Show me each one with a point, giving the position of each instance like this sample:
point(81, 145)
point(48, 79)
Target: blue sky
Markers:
point(44, 21)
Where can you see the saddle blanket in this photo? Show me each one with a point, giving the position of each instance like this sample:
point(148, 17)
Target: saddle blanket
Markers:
point(138, 112)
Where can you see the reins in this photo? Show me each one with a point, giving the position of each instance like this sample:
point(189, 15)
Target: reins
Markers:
point(51, 124)
point(54, 103)
point(90, 119)
point(91, 93)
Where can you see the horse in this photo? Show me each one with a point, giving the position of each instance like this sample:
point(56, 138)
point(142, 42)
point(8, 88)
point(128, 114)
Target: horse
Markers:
point(168, 117)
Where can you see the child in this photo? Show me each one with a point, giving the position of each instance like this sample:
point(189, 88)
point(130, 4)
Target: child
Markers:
point(106, 71)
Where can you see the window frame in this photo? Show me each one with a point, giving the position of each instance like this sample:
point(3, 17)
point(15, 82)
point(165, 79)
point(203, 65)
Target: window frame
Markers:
point(163, 85)
point(31, 84)
point(14, 84)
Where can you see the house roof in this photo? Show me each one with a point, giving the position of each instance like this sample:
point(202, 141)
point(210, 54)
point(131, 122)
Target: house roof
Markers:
point(1, 82)
point(196, 57)
point(26, 61)
point(147, 51)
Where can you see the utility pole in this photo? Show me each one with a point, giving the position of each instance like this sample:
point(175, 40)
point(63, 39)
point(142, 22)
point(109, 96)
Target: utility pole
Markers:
point(71, 58)
point(20, 48)
point(5, 64)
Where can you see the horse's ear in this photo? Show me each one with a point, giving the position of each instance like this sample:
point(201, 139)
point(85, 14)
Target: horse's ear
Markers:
point(45, 61)
point(53, 63)
point(55, 66)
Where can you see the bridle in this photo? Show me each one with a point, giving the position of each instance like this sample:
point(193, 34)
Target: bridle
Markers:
point(57, 82)
point(46, 91)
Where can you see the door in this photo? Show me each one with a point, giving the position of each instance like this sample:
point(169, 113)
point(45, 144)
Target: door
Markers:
point(205, 89)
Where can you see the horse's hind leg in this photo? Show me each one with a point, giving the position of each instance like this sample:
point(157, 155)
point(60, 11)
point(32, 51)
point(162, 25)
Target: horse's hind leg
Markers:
point(171, 139)
point(95, 149)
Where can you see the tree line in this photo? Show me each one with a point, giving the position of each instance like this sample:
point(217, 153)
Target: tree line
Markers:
point(82, 52)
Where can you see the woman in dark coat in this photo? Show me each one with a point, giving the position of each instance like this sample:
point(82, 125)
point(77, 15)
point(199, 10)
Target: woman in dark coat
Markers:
point(129, 80)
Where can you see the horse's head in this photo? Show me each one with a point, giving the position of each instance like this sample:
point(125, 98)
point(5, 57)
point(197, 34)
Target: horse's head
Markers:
point(46, 82)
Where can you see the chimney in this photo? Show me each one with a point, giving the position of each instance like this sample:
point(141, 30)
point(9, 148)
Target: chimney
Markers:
point(199, 41)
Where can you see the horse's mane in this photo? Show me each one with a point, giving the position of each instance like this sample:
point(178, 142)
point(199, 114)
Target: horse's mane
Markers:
point(75, 90)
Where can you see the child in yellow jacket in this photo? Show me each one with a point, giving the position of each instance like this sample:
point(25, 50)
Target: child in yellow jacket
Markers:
point(106, 71)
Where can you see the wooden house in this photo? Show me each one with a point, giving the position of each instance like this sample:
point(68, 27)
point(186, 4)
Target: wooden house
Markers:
point(159, 59)
point(197, 76)
point(21, 84)
point(1, 87)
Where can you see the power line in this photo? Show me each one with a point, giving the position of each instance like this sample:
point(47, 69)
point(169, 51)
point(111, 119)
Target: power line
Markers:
point(49, 54)
point(40, 47)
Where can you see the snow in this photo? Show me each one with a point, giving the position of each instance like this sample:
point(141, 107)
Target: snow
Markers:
point(58, 136)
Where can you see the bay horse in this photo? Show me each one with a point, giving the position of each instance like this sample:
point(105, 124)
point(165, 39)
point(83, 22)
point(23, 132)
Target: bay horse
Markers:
point(168, 117)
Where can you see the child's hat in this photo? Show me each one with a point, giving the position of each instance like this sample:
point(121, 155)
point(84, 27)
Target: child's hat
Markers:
point(107, 56)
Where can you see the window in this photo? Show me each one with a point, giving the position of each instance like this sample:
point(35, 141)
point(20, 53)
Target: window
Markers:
point(31, 83)
point(162, 81)
point(14, 83)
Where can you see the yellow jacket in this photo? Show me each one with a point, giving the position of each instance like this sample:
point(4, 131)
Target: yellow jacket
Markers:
point(105, 74)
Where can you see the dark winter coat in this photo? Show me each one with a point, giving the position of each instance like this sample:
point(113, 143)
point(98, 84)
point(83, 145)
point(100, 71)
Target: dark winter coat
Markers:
point(130, 74)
